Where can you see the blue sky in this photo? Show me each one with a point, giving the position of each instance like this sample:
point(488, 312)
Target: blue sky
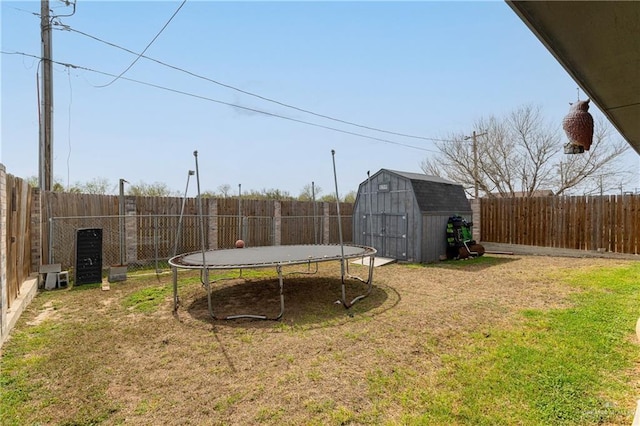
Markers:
point(421, 68)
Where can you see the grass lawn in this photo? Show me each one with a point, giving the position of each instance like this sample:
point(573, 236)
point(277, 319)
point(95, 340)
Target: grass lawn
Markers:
point(499, 340)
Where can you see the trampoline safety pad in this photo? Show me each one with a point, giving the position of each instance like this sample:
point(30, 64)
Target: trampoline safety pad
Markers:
point(272, 256)
point(262, 257)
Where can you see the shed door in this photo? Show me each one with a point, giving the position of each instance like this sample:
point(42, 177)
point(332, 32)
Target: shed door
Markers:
point(389, 234)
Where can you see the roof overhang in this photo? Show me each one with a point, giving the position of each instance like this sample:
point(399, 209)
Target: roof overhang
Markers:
point(598, 43)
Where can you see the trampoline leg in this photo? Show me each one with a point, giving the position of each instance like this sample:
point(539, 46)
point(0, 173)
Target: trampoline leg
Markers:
point(369, 283)
point(344, 290)
point(208, 286)
point(280, 281)
point(264, 317)
point(371, 265)
point(174, 271)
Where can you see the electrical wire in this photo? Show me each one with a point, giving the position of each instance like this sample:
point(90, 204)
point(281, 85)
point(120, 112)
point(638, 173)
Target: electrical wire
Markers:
point(146, 48)
point(245, 92)
point(38, 93)
point(25, 11)
point(141, 55)
point(193, 95)
point(66, 4)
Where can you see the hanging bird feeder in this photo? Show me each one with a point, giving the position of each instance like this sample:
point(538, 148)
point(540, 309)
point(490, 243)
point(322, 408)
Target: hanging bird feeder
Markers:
point(578, 126)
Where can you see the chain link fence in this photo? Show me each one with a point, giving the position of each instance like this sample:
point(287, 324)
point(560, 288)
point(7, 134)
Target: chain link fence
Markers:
point(147, 242)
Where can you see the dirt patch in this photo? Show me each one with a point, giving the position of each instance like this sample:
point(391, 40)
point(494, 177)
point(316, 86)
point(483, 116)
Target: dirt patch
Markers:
point(317, 365)
point(47, 311)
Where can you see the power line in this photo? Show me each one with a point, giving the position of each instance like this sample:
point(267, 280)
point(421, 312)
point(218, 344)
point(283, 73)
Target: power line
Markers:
point(148, 46)
point(141, 55)
point(245, 92)
point(26, 11)
point(228, 103)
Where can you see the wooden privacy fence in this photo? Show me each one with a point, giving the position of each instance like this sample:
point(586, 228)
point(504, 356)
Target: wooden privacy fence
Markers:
point(62, 204)
point(150, 225)
point(18, 234)
point(609, 222)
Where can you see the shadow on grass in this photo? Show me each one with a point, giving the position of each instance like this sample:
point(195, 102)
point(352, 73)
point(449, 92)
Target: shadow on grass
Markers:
point(477, 264)
point(308, 301)
point(82, 287)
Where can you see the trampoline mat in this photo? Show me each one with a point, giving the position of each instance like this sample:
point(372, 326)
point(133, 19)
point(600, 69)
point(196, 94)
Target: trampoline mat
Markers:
point(258, 257)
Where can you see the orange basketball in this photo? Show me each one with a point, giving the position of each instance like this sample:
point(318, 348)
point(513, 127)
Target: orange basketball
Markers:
point(239, 244)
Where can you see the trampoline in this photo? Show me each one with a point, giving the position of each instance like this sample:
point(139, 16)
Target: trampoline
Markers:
point(272, 257)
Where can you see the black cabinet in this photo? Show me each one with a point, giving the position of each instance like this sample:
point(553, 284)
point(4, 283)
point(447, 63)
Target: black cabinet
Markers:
point(88, 256)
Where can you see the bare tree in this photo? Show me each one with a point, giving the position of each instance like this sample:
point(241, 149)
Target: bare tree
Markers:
point(157, 189)
point(95, 186)
point(99, 185)
point(57, 186)
point(307, 193)
point(32, 181)
point(328, 198)
point(521, 154)
point(350, 197)
point(267, 194)
point(224, 189)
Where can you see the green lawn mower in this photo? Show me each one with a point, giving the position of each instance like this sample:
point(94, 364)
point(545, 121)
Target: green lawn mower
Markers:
point(460, 242)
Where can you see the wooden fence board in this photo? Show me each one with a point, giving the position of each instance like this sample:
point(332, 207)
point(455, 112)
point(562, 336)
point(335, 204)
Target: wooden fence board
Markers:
point(636, 224)
point(619, 225)
point(18, 243)
point(582, 222)
point(628, 236)
point(581, 219)
point(585, 223)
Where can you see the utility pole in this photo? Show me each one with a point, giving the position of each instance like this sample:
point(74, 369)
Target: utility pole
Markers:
point(474, 138)
point(45, 177)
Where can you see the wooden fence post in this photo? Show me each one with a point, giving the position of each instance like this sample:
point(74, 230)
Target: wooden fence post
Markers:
point(213, 223)
point(36, 229)
point(131, 228)
point(3, 253)
point(476, 218)
point(277, 223)
point(325, 223)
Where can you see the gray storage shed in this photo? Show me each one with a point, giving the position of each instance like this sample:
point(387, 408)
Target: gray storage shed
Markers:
point(404, 215)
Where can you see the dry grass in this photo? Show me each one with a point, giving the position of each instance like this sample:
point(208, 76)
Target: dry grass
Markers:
point(108, 361)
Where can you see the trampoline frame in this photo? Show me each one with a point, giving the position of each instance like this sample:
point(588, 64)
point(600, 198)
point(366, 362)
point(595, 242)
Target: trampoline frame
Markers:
point(180, 262)
point(177, 262)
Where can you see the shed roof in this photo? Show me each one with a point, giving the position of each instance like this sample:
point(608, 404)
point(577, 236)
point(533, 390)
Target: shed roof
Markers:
point(421, 176)
point(435, 194)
